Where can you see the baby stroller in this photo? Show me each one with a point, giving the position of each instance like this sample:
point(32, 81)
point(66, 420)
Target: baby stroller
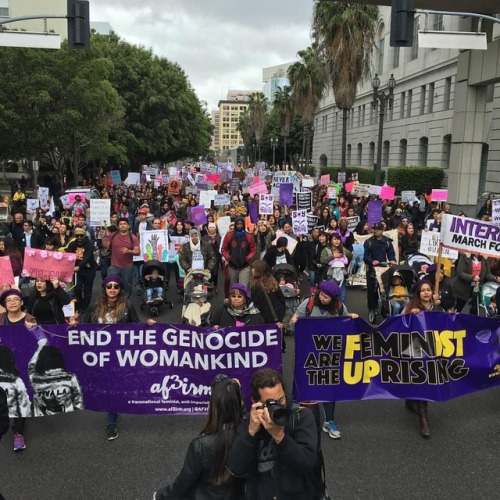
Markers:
point(157, 298)
point(198, 293)
point(289, 280)
point(419, 262)
point(408, 277)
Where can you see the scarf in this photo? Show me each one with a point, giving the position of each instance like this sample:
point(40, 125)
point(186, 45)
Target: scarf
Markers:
point(248, 309)
point(194, 247)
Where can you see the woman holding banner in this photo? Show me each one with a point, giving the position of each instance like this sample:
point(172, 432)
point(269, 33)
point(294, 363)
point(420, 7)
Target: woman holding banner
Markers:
point(111, 308)
point(421, 301)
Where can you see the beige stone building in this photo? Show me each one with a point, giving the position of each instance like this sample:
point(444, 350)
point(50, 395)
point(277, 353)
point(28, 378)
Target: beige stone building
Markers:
point(446, 112)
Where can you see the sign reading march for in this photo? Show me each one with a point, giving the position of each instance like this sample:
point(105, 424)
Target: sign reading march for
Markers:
point(470, 235)
point(127, 368)
point(431, 356)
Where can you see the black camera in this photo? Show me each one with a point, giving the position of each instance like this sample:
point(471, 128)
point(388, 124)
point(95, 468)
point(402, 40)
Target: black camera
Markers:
point(277, 413)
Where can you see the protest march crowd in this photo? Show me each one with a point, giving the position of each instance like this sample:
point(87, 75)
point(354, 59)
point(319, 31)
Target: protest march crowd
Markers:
point(278, 245)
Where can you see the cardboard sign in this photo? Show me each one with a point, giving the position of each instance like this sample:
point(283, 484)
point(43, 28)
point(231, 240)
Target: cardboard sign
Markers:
point(6, 274)
point(32, 204)
point(429, 245)
point(387, 192)
point(154, 245)
point(133, 178)
point(116, 176)
point(174, 185)
point(408, 196)
point(374, 214)
point(495, 211)
point(324, 179)
point(266, 204)
point(312, 220)
point(352, 222)
point(222, 199)
point(223, 224)
point(299, 221)
point(46, 264)
point(341, 177)
point(175, 243)
point(100, 212)
point(291, 244)
point(43, 196)
point(260, 188)
point(303, 200)
point(361, 190)
point(439, 195)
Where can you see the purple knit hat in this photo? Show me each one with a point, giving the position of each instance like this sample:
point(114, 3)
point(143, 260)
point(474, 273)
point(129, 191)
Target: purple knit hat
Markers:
point(114, 278)
point(243, 289)
point(330, 288)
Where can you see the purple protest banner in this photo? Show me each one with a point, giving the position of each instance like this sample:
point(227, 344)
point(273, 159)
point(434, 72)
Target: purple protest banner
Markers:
point(431, 356)
point(129, 368)
point(374, 214)
point(253, 212)
point(198, 215)
point(286, 194)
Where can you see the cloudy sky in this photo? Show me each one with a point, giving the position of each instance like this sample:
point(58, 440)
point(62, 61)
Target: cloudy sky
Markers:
point(220, 44)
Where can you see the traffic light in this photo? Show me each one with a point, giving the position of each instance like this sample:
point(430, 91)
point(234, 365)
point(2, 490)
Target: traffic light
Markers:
point(78, 24)
point(402, 21)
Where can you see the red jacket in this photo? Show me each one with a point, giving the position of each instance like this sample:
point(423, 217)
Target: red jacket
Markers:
point(239, 252)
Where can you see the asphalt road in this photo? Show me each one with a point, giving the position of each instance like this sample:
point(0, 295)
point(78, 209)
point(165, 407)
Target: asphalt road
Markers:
point(380, 456)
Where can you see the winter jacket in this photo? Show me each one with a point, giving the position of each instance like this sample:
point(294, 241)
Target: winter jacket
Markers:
point(223, 317)
point(276, 471)
point(186, 256)
point(378, 249)
point(196, 479)
point(272, 254)
point(263, 241)
point(277, 300)
point(129, 316)
point(239, 251)
point(462, 286)
point(59, 299)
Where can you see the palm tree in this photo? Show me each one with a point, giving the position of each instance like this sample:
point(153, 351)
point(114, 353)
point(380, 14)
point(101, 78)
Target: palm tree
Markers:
point(258, 115)
point(307, 80)
point(344, 34)
point(244, 127)
point(283, 106)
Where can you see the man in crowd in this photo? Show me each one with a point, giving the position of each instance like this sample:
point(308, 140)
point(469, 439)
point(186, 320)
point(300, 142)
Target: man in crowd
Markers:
point(196, 254)
point(124, 245)
point(31, 238)
point(238, 248)
point(277, 457)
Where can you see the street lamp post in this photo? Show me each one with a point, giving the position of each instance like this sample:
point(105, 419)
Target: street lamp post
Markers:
point(383, 99)
point(254, 147)
point(274, 143)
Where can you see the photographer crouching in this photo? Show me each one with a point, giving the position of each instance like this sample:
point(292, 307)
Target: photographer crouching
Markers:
point(275, 449)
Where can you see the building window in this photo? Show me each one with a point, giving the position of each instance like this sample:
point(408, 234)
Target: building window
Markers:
point(402, 105)
point(363, 110)
point(395, 57)
point(430, 99)
point(490, 92)
point(422, 99)
point(385, 154)
point(403, 145)
point(323, 160)
point(372, 109)
point(348, 160)
point(360, 154)
point(381, 50)
point(423, 146)
point(414, 48)
point(408, 107)
point(447, 93)
point(438, 24)
point(371, 154)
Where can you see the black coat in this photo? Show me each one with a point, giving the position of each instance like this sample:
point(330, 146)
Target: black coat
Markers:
point(4, 413)
point(197, 477)
point(222, 318)
point(277, 300)
point(272, 254)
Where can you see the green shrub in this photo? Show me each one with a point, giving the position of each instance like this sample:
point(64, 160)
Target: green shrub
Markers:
point(418, 179)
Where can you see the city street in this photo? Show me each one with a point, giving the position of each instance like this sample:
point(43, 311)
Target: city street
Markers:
point(380, 456)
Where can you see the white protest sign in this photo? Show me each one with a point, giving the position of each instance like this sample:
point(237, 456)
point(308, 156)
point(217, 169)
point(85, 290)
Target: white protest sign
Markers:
point(470, 235)
point(352, 222)
point(32, 204)
point(154, 245)
point(266, 204)
point(408, 196)
point(100, 211)
point(429, 245)
point(495, 211)
point(341, 177)
point(43, 196)
point(307, 182)
point(299, 221)
point(222, 199)
point(191, 179)
point(223, 224)
point(206, 197)
point(175, 243)
point(373, 189)
point(291, 242)
point(363, 190)
point(133, 178)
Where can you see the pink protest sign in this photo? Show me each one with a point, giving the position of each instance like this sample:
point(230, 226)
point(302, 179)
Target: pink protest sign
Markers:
point(6, 274)
point(72, 196)
point(387, 192)
point(260, 188)
point(215, 178)
point(45, 264)
point(439, 195)
point(349, 186)
point(325, 179)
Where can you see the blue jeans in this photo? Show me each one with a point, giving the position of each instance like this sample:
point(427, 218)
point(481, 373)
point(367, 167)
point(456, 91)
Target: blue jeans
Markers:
point(125, 274)
point(112, 418)
point(312, 277)
point(151, 291)
point(137, 267)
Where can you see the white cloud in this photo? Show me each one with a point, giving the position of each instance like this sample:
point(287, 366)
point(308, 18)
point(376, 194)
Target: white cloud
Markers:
point(220, 44)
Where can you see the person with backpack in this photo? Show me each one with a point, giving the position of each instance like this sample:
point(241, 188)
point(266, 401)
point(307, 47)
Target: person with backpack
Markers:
point(325, 303)
point(275, 448)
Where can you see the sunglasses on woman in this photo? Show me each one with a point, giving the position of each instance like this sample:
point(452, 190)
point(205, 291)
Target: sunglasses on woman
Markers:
point(113, 286)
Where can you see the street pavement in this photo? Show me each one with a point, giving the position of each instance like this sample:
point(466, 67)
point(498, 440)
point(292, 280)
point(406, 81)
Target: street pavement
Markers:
point(380, 455)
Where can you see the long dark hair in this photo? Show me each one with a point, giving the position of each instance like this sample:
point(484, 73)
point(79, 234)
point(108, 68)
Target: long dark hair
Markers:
point(49, 358)
point(224, 415)
point(333, 308)
point(262, 276)
point(8, 361)
point(415, 302)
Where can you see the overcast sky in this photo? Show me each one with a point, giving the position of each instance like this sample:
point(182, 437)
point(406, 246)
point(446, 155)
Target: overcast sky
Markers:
point(220, 44)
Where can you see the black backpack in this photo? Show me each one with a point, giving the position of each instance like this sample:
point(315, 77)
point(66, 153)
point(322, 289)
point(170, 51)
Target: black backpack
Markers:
point(318, 477)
